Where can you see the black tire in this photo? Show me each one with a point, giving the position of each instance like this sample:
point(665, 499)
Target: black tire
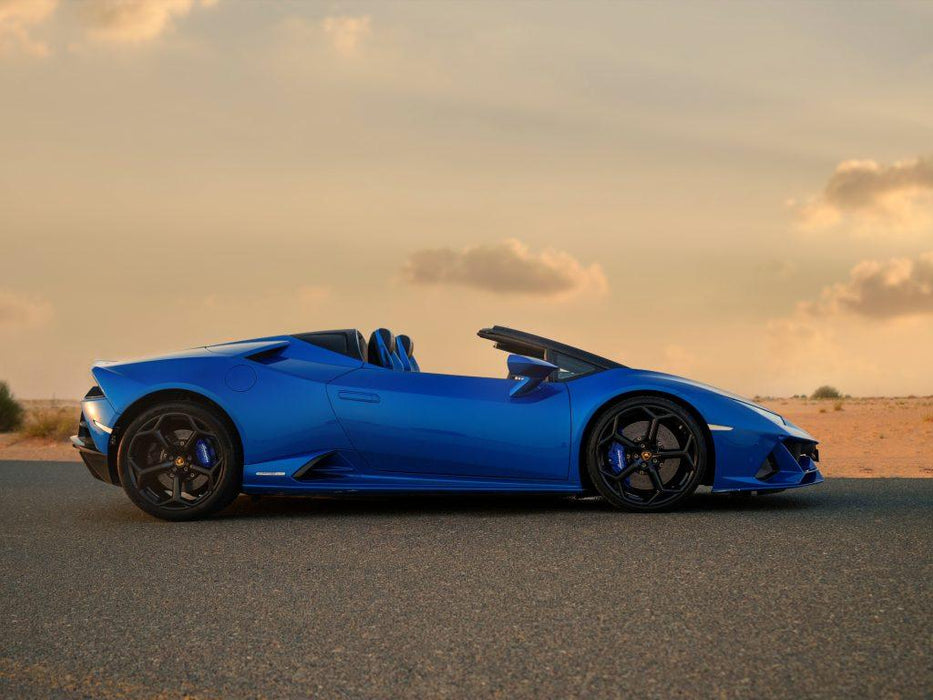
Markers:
point(180, 461)
point(646, 453)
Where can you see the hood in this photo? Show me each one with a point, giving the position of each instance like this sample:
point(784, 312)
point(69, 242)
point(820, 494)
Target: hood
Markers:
point(674, 379)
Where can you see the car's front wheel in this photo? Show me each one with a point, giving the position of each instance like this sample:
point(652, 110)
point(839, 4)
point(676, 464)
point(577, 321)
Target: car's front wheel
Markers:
point(646, 453)
point(179, 461)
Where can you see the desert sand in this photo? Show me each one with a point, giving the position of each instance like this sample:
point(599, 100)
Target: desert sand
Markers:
point(860, 437)
point(866, 437)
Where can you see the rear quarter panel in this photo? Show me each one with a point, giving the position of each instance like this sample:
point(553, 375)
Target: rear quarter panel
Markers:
point(279, 407)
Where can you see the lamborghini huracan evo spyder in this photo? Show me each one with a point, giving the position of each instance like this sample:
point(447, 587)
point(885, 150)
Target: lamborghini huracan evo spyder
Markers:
point(327, 412)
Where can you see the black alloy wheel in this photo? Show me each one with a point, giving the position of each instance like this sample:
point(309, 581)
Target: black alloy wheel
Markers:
point(178, 461)
point(646, 453)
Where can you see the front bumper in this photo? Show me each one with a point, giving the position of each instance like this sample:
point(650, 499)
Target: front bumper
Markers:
point(752, 461)
point(96, 461)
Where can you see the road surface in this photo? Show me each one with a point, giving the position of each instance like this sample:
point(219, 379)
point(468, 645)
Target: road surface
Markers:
point(824, 591)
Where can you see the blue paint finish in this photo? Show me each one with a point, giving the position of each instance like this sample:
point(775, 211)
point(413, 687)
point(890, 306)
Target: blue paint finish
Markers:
point(240, 378)
point(396, 430)
point(738, 452)
point(285, 412)
point(421, 423)
point(530, 371)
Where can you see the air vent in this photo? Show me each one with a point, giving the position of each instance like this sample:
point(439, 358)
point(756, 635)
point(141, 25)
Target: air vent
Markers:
point(267, 357)
point(802, 448)
point(767, 469)
point(326, 465)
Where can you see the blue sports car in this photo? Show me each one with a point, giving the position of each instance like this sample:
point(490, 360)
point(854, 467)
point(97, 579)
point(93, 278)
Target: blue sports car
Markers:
point(329, 412)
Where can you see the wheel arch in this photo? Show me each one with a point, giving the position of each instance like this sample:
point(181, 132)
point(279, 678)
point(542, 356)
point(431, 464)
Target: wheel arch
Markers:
point(163, 396)
point(607, 405)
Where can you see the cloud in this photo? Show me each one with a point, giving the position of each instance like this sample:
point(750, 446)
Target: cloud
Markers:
point(873, 198)
point(347, 33)
point(17, 20)
point(507, 267)
point(881, 289)
point(134, 21)
point(872, 330)
point(18, 313)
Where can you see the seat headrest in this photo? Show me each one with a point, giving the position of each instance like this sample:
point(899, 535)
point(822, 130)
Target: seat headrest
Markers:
point(406, 351)
point(382, 349)
point(364, 348)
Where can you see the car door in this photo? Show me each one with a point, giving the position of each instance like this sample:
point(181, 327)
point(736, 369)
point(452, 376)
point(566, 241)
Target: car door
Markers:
point(445, 425)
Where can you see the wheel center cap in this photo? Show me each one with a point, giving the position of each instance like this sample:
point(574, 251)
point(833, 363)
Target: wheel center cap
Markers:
point(179, 461)
point(645, 455)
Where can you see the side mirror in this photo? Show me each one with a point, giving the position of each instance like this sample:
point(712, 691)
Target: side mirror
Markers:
point(530, 371)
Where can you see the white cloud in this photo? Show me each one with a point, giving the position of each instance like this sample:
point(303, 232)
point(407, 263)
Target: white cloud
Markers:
point(869, 198)
point(18, 19)
point(19, 313)
point(347, 33)
point(508, 267)
point(134, 21)
point(866, 334)
point(880, 290)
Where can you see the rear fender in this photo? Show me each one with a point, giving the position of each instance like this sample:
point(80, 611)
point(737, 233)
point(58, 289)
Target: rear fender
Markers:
point(273, 392)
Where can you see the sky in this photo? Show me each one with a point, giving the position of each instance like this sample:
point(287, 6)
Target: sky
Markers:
point(738, 192)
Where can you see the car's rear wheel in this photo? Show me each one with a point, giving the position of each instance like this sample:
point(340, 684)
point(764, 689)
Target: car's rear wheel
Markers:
point(646, 453)
point(178, 461)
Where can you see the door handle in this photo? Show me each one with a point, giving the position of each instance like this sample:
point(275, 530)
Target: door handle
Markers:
point(363, 396)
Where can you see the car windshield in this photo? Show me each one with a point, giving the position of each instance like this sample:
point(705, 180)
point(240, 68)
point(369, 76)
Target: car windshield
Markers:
point(569, 367)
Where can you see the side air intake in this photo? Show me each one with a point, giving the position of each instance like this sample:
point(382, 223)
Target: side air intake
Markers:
point(326, 465)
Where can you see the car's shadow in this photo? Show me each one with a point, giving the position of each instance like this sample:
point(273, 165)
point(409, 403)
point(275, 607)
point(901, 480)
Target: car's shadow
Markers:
point(490, 505)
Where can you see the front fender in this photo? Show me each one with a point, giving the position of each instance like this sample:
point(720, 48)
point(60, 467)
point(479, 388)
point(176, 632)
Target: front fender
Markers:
point(742, 435)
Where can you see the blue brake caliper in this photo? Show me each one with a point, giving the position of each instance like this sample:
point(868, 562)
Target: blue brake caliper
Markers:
point(616, 457)
point(204, 451)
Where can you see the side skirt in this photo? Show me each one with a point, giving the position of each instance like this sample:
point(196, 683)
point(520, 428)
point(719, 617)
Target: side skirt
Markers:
point(320, 473)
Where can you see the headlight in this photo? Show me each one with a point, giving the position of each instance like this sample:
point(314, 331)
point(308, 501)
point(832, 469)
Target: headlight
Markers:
point(773, 417)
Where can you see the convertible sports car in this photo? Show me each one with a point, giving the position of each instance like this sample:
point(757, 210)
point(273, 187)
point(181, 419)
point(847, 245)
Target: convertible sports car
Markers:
point(327, 412)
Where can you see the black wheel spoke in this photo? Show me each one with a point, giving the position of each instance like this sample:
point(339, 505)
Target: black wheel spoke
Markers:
point(677, 455)
point(203, 471)
point(655, 476)
point(154, 469)
point(652, 434)
point(630, 469)
point(192, 440)
point(162, 440)
point(620, 438)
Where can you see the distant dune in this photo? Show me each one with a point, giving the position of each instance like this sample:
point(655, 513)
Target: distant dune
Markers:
point(876, 437)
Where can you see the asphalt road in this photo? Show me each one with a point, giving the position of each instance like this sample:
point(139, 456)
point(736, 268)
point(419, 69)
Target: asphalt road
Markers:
point(824, 592)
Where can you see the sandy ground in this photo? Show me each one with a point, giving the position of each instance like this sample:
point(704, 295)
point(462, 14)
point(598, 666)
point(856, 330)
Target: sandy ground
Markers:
point(867, 437)
point(14, 446)
point(877, 437)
